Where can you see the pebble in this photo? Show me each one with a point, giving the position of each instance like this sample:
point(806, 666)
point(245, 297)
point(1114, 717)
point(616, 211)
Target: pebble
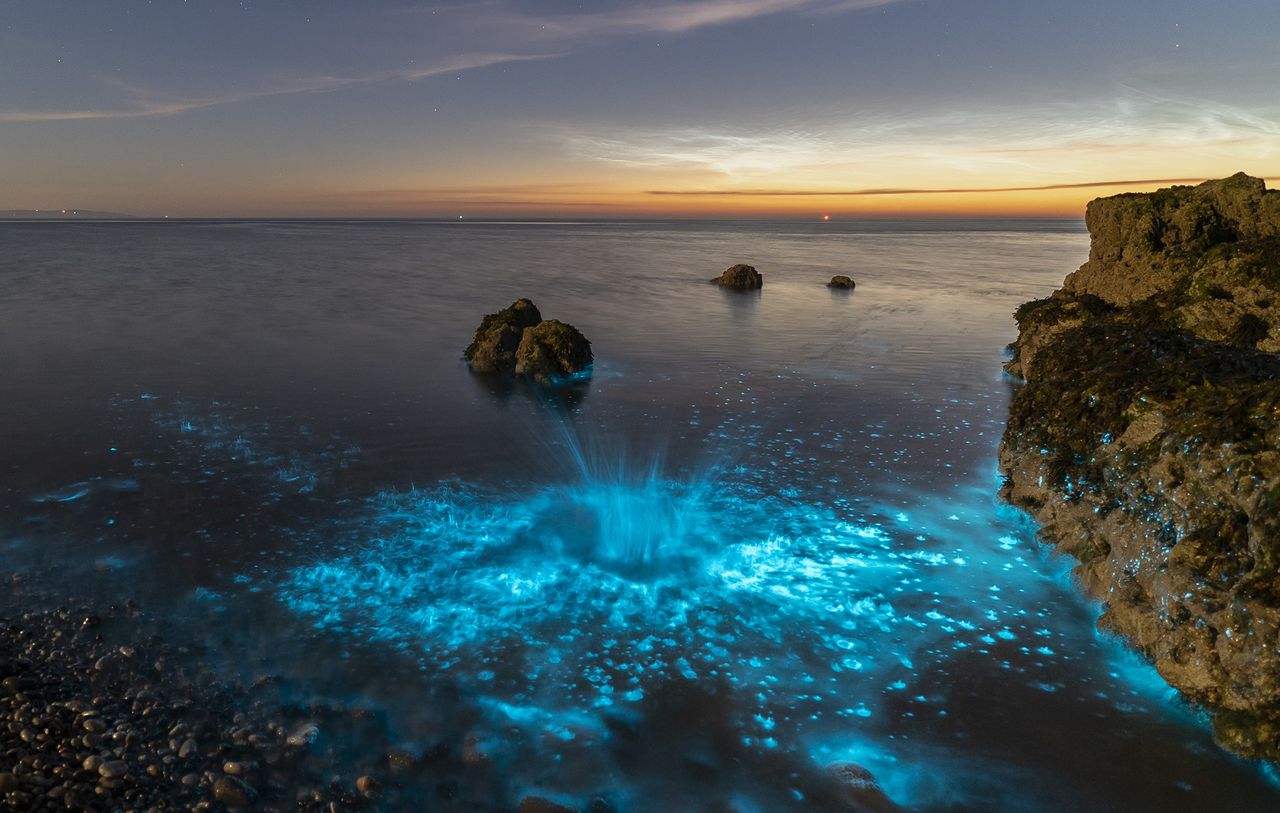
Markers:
point(304, 735)
point(238, 768)
point(233, 792)
point(367, 785)
point(79, 733)
point(114, 769)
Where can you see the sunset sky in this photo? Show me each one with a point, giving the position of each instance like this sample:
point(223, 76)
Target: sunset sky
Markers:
point(499, 108)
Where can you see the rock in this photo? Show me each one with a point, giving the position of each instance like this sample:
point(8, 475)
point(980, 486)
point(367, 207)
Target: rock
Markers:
point(552, 350)
point(1144, 243)
point(1146, 439)
point(188, 749)
point(233, 792)
point(862, 787)
point(367, 785)
point(239, 768)
point(537, 804)
point(400, 760)
point(303, 735)
point(493, 348)
point(842, 282)
point(8, 783)
point(740, 278)
point(114, 769)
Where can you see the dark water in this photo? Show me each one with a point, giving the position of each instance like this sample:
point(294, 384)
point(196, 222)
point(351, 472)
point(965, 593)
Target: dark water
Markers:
point(762, 539)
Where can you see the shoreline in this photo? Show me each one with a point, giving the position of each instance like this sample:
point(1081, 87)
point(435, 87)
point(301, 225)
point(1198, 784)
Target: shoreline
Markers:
point(96, 714)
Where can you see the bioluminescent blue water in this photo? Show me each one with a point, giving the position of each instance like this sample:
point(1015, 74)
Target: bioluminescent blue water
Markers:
point(762, 540)
point(565, 605)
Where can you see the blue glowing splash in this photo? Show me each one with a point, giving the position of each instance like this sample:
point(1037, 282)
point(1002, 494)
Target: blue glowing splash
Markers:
point(571, 601)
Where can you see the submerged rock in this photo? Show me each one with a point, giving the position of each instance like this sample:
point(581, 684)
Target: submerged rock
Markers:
point(551, 350)
point(1146, 439)
point(537, 804)
point(740, 278)
point(861, 787)
point(232, 792)
point(493, 348)
point(842, 282)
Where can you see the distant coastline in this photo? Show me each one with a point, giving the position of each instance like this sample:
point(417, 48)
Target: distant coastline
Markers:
point(62, 214)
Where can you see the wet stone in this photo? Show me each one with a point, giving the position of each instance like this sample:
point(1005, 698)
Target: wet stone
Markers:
point(538, 804)
point(232, 792)
point(114, 769)
point(304, 735)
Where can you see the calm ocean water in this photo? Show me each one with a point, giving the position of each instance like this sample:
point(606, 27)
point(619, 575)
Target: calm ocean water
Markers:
point(762, 539)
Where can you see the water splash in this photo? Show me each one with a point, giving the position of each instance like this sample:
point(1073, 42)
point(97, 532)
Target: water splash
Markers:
point(586, 596)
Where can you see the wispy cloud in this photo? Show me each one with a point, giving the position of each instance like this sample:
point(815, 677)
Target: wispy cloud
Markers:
point(676, 18)
point(145, 102)
point(1064, 143)
point(504, 34)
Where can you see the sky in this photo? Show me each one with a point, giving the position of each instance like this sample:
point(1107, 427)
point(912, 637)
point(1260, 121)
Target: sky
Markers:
point(674, 108)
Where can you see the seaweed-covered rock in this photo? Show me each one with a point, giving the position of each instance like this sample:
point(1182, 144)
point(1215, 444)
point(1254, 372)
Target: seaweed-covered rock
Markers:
point(493, 348)
point(1146, 439)
point(740, 278)
point(552, 350)
point(842, 282)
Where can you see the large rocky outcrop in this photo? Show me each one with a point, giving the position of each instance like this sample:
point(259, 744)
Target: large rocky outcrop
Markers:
point(1146, 439)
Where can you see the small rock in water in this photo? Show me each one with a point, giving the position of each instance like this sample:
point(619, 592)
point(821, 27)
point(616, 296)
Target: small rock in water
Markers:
point(537, 804)
point(551, 350)
point(367, 785)
point(400, 759)
point(188, 749)
point(740, 278)
point(232, 792)
point(493, 348)
point(475, 748)
point(8, 782)
point(238, 768)
point(862, 787)
point(842, 282)
point(304, 735)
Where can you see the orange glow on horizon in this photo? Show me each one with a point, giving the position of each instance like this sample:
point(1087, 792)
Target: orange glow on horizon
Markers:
point(599, 202)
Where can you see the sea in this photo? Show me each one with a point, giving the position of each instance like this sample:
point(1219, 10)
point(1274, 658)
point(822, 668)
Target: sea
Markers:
point(762, 538)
